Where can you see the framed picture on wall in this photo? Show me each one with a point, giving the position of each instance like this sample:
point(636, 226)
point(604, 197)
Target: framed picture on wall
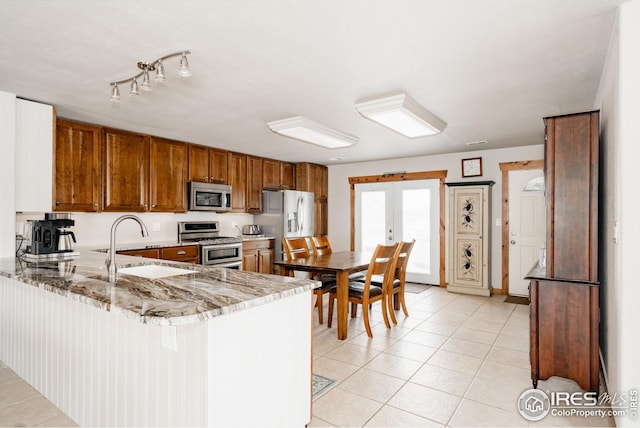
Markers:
point(472, 167)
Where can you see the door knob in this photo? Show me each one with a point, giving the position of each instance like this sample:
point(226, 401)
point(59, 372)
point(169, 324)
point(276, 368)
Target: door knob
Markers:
point(513, 242)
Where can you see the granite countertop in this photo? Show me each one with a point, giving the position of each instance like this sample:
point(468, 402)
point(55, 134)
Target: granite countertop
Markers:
point(183, 299)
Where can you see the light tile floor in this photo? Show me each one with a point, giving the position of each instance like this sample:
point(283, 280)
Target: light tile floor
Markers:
point(21, 405)
point(457, 361)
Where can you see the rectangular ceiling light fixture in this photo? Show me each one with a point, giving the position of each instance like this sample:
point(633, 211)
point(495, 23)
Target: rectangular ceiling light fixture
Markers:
point(309, 131)
point(402, 114)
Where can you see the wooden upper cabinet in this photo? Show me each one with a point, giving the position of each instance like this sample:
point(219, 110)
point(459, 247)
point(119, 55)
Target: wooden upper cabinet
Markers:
point(254, 184)
point(287, 175)
point(278, 175)
point(237, 177)
point(270, 174)
point(571, 180)
point(77, 170)
point(312, 178)
point(167, 175)
point(218, 160)
point(207, 164)
point(198, 163)
point(126, 171)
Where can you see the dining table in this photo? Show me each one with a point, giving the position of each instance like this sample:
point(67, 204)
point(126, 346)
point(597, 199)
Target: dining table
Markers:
point(340, 263)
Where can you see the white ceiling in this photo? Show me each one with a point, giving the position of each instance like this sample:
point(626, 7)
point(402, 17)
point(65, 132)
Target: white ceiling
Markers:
point(491, 69)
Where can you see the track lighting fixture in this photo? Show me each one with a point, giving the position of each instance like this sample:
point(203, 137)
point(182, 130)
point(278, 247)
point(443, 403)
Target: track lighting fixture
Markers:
point(146, 67)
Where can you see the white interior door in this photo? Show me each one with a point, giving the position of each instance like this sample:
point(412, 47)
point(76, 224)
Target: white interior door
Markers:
point(402, 211)
point(526, 226)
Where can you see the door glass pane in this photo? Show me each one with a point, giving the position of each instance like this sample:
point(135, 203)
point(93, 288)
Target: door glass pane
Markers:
point(416, 225)
point(372, 219)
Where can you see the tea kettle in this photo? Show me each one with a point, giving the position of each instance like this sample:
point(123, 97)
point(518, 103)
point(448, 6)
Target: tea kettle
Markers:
point(65, 239)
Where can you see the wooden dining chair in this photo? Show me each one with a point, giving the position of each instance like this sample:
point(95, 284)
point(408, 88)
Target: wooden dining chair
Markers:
point(297, 248)
point(397, 289)
point(321, 247)
point(364, 293)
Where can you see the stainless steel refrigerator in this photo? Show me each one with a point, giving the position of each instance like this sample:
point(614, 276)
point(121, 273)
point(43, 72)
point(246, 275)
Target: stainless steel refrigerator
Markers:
point(285, 214)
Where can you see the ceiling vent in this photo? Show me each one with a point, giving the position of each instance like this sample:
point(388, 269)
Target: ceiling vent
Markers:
point(477, 143)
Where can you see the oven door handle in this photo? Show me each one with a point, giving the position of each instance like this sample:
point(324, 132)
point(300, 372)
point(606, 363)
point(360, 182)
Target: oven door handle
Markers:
point(226, 265)
point(221, 246)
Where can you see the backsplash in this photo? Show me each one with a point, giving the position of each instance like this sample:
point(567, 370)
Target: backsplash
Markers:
point(94, 228)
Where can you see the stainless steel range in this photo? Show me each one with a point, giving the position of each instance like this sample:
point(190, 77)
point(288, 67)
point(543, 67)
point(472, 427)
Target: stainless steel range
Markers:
point(215, 250)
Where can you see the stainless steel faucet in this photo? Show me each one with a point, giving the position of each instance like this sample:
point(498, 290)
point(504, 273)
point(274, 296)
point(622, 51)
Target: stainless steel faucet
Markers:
point(111, 257)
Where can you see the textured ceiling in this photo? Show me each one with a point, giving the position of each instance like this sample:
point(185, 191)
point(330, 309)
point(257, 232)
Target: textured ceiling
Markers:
point(491, 69)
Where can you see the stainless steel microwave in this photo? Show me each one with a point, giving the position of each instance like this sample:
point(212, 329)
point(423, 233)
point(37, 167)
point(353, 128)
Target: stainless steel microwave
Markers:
point(209, 197)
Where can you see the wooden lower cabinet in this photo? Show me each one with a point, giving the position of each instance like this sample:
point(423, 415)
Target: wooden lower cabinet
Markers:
point(257, 255)
point(152, 253)
point(179, 253)
point(564, 333)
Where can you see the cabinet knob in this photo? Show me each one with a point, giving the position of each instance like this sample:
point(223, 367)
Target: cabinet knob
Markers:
point(513, 242)
point(153, 206)
point(57, 203)
point(181, 252)
point(95, 204)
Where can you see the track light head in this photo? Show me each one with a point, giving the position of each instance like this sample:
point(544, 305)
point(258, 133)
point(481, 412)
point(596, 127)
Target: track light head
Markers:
point(134, 88)
point(160, 77)
point(115, 94)
point(185, 70)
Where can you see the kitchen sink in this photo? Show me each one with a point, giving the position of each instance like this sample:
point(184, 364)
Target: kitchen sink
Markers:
point(154, 271)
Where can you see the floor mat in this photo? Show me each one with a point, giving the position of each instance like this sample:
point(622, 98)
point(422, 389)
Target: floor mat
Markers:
point(412, 287)
point(517, 299)
point(320, 385)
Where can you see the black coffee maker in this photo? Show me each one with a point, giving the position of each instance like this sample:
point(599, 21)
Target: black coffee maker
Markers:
point(45, 234)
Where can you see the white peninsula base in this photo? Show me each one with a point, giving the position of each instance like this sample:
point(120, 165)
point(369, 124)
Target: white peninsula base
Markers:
point(246, 368)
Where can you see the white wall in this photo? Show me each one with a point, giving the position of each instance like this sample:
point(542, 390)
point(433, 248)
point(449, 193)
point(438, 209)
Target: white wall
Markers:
point(339, 191)
point(7, 173)
point(94, 228)
point(619, 102)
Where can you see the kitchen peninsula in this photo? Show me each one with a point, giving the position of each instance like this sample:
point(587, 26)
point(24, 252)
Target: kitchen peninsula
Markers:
point(207, 347)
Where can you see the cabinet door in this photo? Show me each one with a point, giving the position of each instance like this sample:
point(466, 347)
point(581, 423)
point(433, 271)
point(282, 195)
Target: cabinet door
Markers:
point(126, 171)
point(270, 174)
point(218, 166)
point(254, 184)
point(198, 163)
point(237, 175)
point(265, 261)
point(322, 178)
point(168, 175)
point(35, 124)
point(287, 175)
point(320, 223)
point(250, 261)
point(468, 206)
point(77, 185)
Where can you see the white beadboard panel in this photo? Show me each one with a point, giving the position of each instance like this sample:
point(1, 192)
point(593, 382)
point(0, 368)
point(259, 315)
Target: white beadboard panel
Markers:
point(103, 369)
point(99, 367)
point(34, 156)
point(268, 369)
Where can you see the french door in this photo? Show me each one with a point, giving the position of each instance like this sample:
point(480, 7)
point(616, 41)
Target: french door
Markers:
point(396, 211)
